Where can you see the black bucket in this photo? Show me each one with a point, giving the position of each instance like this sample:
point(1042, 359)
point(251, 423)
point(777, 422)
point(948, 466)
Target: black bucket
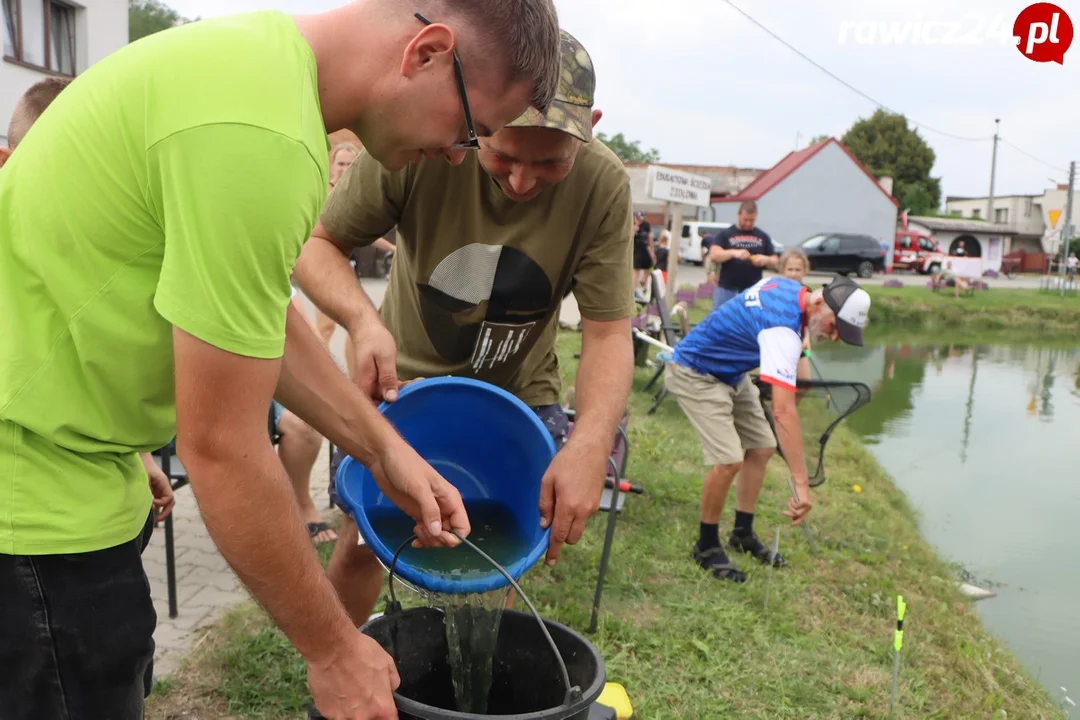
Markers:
point(526, 682)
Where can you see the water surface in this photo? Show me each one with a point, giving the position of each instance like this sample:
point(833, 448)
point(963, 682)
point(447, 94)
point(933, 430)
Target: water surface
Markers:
point(985, 442)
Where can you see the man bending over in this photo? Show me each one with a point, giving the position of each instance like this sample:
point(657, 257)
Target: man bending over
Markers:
point(486, 251)
point(761, 327)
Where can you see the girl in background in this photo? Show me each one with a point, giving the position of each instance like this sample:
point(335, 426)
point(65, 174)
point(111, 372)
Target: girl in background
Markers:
point(795, 265)
point(341, 157)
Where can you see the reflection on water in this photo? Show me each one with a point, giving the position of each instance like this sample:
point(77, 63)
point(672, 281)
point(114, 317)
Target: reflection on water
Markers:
point(985, 442)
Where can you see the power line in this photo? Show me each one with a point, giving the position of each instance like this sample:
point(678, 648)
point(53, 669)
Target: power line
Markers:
point(1029, 155)
point(848, 85)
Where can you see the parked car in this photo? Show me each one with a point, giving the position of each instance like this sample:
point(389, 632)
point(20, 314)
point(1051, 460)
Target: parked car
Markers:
point(690, 249)
point(844, 253)
point(917, 252)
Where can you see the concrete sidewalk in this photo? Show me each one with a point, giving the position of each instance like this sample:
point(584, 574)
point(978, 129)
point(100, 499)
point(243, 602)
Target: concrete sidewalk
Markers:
point(206, 585)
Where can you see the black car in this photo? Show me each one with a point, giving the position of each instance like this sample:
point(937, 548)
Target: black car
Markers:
point(844, 253)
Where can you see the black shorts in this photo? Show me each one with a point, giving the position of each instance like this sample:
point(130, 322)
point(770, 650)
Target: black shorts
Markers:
point(642, 259)
point(76, 633)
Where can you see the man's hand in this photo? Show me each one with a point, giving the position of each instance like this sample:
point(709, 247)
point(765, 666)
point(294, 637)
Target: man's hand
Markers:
point(799, 509)
point(761, 261)
point(355, 682)
point(741, 254)
point(415, 487)
point(374, 360)
point(160, 487)
point(570, 493)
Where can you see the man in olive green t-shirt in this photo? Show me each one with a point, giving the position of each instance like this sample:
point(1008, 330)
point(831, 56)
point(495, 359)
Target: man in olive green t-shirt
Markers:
point(149, 222)
point(486, 252)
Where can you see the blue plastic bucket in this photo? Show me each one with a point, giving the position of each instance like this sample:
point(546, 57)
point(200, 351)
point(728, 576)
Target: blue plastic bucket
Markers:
point(489, 445)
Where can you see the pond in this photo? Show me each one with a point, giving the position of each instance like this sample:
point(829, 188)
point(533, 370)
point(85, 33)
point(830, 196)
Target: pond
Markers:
point(984, 439)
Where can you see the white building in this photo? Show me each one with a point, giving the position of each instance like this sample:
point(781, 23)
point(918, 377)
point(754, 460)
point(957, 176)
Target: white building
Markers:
point(1035, 220)
point(819, 189)
point(982, 241)
point(49, 37)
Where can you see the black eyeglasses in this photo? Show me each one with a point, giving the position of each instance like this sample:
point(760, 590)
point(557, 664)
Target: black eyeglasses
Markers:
point(471, 142)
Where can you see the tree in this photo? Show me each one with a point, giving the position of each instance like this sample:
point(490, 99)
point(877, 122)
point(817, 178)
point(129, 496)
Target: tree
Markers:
point(818, 138)
point(629, 151)
point(146, 17)
point(887, 146)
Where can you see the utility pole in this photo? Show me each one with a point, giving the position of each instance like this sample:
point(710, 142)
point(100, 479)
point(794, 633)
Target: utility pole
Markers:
point(1066, 229)
point(993, 170)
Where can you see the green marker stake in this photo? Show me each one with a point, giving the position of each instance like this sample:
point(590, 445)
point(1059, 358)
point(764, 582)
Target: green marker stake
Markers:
point(898, 642)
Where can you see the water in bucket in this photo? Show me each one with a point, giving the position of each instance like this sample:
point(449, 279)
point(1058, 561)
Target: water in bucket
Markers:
point(494, 530)
point(472, 620)
point(472, 631)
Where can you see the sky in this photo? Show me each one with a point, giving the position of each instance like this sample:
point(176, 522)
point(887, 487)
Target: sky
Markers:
point(704, 85)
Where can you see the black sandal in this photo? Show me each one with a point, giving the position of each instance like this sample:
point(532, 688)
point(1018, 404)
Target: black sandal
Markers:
point(315, 528)
point(716, 561)
point(750, 545)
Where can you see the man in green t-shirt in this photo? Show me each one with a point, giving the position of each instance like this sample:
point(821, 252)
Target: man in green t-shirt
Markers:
point(486, 252)
point(149, 223)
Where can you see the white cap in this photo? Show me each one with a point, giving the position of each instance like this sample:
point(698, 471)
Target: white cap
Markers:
point(852, 307)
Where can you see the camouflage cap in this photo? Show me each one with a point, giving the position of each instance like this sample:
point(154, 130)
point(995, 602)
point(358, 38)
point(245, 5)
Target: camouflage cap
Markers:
point(571, 110)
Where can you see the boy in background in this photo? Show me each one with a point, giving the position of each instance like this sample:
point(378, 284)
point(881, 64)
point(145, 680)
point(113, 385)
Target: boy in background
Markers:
point(28, 109)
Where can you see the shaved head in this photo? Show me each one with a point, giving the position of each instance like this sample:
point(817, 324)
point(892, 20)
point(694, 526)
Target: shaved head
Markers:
point(31, 105)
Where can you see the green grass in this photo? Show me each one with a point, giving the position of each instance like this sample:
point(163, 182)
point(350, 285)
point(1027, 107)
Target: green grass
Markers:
point(1027, 312)
point(686, 646)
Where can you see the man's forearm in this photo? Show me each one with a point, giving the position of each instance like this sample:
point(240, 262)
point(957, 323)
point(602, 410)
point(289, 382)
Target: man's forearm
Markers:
point(789, 433)
point(324, 274)
point(312, 386)
point(604, 376)
point(250, 512)
point(720, 255)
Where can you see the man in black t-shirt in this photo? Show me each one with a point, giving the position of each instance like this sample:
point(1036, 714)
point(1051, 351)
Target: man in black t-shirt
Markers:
point(743, 251)
point(644, 252)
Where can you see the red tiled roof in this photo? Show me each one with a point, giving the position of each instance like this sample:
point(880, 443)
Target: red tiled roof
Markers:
point(791, 162)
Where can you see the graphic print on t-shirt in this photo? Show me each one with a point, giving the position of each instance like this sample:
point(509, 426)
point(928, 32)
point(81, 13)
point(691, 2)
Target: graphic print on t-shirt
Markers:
point(740, 274)
point(482, 302)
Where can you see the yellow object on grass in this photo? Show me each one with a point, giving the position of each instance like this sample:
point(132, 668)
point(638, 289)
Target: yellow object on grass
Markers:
point(901, 610)
point(615, 697)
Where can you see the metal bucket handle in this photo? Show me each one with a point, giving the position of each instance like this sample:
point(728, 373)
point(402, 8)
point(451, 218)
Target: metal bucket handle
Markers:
point(573, 692)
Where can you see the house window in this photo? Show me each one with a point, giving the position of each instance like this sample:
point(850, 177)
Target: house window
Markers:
point(1027, 207)
point(40, 33)
point(975, 212)
point(1001, 215)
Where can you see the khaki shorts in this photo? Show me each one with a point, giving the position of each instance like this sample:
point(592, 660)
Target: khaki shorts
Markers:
point(729, 419)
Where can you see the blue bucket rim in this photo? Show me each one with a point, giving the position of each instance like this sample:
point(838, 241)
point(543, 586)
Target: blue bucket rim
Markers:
point(385, 554)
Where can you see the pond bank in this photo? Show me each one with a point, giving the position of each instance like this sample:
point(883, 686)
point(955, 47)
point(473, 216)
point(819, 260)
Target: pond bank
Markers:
point(686, 646)
point(1028, 312)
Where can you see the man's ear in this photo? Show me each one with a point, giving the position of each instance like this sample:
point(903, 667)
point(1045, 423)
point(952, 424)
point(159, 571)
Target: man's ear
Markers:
point(5, 153)
point(432, 44)
point(596, 115)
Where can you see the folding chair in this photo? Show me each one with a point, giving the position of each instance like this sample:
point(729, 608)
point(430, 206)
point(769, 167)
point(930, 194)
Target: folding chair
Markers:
point(612, 501)
point(170, 464)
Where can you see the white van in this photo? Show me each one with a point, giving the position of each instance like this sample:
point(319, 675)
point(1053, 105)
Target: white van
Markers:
point(690, 249)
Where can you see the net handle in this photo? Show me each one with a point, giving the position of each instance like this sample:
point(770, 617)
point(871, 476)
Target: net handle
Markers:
point(573, 692)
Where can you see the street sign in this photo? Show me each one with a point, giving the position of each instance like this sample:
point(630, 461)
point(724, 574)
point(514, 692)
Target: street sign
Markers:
point(1054, 216)
point(676, 186)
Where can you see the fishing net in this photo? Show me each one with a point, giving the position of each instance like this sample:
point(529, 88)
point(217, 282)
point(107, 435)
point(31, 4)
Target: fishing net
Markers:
point(822, 405)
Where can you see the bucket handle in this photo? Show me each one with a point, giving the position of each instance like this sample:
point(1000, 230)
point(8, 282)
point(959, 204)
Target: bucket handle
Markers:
point(573, 692)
